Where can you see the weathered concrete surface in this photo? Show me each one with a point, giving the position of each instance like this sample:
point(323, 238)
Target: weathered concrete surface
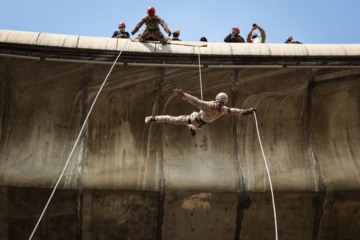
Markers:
point(128, 181)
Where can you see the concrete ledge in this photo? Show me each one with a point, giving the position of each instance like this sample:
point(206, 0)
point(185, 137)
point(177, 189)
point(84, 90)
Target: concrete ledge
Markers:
point(331, 50)
point(19, 37)
point(288, 49)
point(352, 49)
point(57, 40)
point(97, 43)
point(223, 49)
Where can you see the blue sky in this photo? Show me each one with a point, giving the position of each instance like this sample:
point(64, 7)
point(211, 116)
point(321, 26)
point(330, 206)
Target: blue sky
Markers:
point(308, 21)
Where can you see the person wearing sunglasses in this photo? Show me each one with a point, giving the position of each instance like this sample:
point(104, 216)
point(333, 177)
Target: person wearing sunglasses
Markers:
point(234, 36)
point(209, 112)
point(121, 33)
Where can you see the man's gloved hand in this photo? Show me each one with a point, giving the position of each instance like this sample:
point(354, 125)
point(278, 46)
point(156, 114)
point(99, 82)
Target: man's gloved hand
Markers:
point(133, 32)
point(249, 111)
point(168, 31)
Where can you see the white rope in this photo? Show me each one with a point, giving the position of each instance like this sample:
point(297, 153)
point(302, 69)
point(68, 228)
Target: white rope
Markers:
point(271, 188)
point(77, 140)
point(200, 74)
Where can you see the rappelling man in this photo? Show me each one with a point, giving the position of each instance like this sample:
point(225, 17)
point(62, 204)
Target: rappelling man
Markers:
point(152, 29)
point(209, 112)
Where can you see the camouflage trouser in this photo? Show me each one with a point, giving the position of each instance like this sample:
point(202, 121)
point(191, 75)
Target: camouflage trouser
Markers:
point(191, 120)
point(156, 34)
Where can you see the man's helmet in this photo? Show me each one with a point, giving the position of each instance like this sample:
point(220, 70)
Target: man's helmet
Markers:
point(176, 31)
point(222, 97)
point(151, 10)
point(237, 29)
point(121, 25)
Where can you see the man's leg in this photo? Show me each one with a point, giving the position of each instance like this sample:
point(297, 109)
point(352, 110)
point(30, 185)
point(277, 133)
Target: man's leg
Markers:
point(179, 120)
point(192, 129)
point(144, 35)
point(158, 34)
point(192, 123)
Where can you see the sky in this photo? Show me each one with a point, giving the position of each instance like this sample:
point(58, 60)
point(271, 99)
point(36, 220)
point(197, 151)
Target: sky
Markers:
point(308, 21)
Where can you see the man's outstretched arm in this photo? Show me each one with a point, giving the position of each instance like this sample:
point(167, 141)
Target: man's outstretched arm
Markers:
point(191, 99)
point(237, 111)
point(138, 26)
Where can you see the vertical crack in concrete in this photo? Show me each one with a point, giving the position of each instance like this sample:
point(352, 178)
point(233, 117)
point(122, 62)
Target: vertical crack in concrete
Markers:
point(352, 154)
point(243, 200)
point(4, 129)
point(318, 201)
point(160, 104)
point(5, 116)
point(81, 157)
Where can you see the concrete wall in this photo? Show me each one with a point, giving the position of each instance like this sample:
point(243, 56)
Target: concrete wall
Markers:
point(129, 181)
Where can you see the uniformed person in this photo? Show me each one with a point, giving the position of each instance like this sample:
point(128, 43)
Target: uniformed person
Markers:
point(152, 29)
point(209, 112)
point(176, 34)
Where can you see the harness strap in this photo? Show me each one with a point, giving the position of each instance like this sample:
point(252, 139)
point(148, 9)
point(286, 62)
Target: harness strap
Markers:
point(200, 122)
point(152, 29)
